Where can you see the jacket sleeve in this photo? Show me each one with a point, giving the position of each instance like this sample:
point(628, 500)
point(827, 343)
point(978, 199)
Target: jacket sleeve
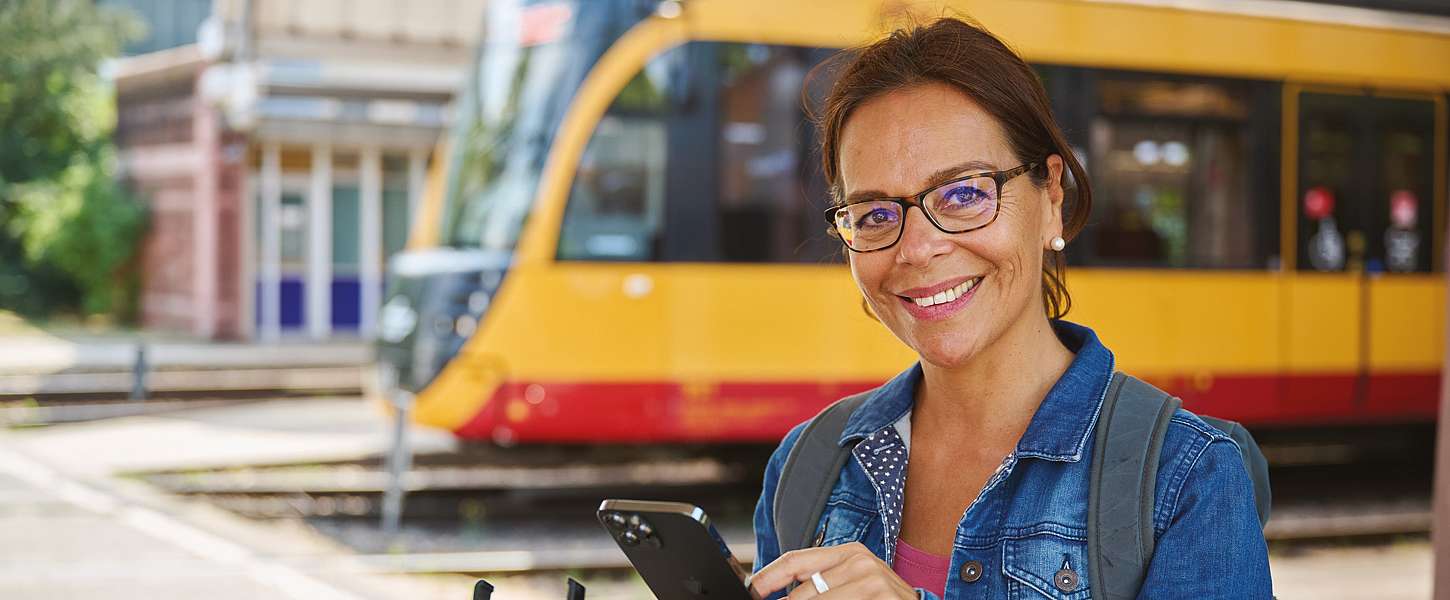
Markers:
point(1212, 545)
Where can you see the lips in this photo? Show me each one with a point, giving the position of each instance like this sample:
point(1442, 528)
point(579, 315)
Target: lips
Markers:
point(941, 300)
point(932, 290)
point(947, 295)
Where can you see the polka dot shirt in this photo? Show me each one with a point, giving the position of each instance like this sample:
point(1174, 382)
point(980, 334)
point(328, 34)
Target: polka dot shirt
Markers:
point(883, 456)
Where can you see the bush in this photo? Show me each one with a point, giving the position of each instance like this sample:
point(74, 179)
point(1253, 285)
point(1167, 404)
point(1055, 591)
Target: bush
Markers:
point(86, 226)
point(66, 228)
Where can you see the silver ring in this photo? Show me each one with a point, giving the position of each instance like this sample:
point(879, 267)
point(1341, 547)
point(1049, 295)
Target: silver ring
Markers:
point(819, 582)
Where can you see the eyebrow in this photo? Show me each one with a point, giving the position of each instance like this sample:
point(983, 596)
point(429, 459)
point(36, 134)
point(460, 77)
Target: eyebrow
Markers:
point(934, 180)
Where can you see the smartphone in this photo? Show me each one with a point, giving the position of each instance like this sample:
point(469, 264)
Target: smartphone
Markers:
point(675, 549)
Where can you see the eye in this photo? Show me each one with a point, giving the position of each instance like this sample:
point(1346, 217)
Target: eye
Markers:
point(963, 195)
point(876, 217)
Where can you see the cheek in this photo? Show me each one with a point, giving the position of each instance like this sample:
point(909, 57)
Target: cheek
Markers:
point(1015, 260)
point(869, 270)
point(1009, 235)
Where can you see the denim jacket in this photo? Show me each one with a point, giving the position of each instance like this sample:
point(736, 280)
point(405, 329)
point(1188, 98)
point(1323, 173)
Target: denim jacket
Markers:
point(1029, 523)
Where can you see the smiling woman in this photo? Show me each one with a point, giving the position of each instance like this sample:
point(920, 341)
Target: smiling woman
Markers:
point(976, 456)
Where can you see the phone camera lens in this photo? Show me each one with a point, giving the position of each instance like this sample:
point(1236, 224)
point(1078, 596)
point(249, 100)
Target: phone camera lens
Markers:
point(644, 530)
point(615, 520)
point(634, 520)
point(630, 538)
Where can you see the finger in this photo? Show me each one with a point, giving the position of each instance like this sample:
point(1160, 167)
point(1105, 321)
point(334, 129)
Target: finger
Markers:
point(855, 568)
point(797, 566)
point(887, 585)
point(806, 590)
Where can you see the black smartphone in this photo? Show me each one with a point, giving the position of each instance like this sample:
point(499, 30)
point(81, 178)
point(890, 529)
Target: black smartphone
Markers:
point(676, 550)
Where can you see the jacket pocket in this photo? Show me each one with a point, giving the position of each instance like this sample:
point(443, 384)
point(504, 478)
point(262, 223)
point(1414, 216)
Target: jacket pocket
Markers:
point(842, 523)
point(1046, 565)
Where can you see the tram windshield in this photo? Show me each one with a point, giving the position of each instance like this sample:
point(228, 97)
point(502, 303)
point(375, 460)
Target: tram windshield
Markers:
point(532, 59)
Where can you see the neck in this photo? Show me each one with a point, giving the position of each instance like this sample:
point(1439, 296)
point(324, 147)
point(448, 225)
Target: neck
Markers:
point(994, 395)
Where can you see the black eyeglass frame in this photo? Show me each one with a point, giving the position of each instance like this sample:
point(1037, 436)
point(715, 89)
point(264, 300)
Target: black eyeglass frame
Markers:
point(1000, 178)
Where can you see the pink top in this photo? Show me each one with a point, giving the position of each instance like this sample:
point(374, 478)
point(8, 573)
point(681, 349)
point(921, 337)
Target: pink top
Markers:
point(922, 570)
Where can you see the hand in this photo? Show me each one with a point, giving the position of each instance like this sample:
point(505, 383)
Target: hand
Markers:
point(850, 570)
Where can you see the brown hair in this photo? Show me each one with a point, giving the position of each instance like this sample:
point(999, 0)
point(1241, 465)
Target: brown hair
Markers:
point(968, 58)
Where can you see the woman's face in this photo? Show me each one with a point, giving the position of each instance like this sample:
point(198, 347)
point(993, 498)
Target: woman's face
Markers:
point(901, 143)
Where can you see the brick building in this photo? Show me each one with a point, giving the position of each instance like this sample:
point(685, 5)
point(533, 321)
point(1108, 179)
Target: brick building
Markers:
point(281, 147)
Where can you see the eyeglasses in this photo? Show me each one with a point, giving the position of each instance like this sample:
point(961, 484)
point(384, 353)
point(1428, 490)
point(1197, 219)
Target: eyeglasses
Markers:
point(957, 206)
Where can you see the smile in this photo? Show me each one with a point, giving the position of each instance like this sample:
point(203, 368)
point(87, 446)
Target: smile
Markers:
point(947, 295)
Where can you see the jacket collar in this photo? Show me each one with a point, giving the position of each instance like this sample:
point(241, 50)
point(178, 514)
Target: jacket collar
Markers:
point(1059, 429)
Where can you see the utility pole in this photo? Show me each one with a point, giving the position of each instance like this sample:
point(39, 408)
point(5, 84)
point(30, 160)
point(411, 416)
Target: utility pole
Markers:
point(1440, 529)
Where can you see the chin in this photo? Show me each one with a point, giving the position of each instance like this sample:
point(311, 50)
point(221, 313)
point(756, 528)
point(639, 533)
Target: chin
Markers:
point(948, 351)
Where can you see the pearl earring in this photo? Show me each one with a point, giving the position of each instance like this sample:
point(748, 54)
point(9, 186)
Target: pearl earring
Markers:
point(1058, 244)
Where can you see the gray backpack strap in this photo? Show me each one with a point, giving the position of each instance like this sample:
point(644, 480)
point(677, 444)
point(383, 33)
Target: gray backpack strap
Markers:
point(1130, 431)
point(810, 472)
point(1254, 461)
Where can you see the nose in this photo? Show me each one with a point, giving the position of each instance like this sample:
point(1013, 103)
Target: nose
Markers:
point(920, 239)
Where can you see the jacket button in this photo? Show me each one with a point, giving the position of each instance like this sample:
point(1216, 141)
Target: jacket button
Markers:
point(1065, 580)
point(972, 571)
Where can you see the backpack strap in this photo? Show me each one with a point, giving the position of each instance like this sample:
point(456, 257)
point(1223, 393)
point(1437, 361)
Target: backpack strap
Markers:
point(810, 473)
point(1130, 431)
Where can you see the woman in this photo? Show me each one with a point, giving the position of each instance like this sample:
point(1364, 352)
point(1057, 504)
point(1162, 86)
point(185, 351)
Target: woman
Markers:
point(954, 201)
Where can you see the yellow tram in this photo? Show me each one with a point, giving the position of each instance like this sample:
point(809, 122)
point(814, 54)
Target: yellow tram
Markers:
point(629, 247)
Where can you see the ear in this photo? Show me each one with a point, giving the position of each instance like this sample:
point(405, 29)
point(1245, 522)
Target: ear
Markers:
point(1052, 199)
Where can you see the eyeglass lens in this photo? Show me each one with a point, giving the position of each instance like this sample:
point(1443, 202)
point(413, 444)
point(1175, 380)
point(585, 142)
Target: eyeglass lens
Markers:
point(953, 207)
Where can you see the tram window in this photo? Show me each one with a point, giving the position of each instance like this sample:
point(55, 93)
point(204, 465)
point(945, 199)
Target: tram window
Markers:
point(1366, 174)
point(770, 190)
point(705, 156)
point(617, 202)
point(1172, 164)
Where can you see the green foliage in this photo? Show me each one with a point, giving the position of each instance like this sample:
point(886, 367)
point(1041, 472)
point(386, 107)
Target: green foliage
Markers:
point(48, 81)
point(32, 289)
point(84, 225)
point(67, 229)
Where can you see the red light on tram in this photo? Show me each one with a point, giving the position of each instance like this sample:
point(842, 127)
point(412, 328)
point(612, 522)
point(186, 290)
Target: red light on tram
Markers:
point(1404, 209)
point(1318, 202)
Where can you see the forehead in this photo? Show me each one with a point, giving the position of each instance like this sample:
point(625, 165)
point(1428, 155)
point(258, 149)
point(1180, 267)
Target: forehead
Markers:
point(894, 143)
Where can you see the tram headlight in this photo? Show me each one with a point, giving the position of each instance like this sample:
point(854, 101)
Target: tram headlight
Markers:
point(465, 325)
point(478, 302)
point(397, 320)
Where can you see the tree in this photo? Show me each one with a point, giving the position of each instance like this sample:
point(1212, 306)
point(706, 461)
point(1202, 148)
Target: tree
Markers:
point(65, 224)
point(84, 225)
point(48, 81)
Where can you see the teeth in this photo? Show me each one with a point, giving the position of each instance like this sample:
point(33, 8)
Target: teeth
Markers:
point(947, 295)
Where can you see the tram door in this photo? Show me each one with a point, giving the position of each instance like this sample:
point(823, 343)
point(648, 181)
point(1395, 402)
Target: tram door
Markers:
point(1367, 312)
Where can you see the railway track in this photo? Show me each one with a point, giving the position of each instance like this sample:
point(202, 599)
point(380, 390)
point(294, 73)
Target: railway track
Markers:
point(31, 400)
point(517, 512)
point(310, 380)
point(49, 372)
point(438, 490)
point(1303, 519)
